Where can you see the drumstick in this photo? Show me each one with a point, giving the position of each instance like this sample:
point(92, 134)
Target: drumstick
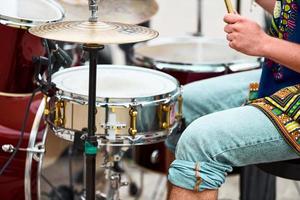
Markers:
point(229, 6)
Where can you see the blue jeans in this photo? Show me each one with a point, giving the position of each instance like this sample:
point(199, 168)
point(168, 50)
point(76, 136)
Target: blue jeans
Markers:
point(221, 133)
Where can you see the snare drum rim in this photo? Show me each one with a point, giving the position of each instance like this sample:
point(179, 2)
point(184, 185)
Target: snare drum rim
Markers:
point(142, 138)
point(24, 23)
point(205, 67)
point(122, 102)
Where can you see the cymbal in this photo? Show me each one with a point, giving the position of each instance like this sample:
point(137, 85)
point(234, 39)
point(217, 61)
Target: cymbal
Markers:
point(124, 11)
point(93, 32)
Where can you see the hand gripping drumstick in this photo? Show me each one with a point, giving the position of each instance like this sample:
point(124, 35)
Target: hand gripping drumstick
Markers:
point(229, 6)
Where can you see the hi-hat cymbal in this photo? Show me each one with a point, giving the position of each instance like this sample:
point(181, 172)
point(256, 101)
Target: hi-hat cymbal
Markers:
point(94, 32)
point(124, 11)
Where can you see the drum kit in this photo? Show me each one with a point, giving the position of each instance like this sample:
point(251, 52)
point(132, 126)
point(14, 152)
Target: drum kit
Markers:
point(108, 108)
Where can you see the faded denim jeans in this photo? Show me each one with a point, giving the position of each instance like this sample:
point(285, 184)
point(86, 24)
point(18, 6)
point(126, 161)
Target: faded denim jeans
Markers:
point(221, 133)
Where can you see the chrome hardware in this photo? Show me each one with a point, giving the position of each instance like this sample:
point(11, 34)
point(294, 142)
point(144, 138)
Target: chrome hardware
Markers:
point(84, 136)
point(133, 122)
point(180, 102)
point(167, 110)
point(37, 150)
point(47, 106)
point(59, 113)
point(9, 148)
point(154, 158)
point(118, 126)
point(93, 7)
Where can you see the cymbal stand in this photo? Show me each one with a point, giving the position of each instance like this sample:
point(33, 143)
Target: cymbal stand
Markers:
point(91, 144)
point(199, 19)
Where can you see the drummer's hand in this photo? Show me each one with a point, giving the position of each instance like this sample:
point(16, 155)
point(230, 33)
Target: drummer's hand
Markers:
point(245, 35)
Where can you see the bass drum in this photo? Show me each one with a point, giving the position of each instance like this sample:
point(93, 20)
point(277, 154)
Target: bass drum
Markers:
point(17, 45)
point(188, 59)
point(20, 176)
point(19, 180)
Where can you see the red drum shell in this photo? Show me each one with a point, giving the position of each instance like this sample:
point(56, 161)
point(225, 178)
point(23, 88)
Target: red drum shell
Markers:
point(16, 67)
point(16, 77)
point(12, 114)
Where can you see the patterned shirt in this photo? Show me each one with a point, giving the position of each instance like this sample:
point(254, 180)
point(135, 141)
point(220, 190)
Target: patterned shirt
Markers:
point(285, 25)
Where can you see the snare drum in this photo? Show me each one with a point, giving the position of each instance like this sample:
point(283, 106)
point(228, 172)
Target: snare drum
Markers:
point(135, 106)
point(192, 58)
point(17, 45)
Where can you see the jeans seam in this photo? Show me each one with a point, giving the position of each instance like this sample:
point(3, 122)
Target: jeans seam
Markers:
point(246, 146)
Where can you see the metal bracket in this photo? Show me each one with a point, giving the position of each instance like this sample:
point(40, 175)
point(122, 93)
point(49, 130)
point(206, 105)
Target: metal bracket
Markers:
point(93, 7)
point(167, 110)
point(38, 149)
point(180, 102)
point(117, 126)
point(59, 113)
point(133, 122)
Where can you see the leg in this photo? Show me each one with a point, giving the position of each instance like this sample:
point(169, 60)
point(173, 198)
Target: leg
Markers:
point(213, 144)
point(211, 95)
point(201, 98)
point(180, 193)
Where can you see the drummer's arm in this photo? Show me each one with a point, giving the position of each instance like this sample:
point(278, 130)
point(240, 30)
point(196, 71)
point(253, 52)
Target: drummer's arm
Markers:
point(283, 52)
point(248, 37)
point(268, 5)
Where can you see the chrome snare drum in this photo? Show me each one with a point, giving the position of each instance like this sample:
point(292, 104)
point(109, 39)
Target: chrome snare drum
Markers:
point(134, 105)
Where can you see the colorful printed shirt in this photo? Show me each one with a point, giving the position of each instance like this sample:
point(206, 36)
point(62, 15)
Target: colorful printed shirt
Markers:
point(279, 88)
point(285, 25)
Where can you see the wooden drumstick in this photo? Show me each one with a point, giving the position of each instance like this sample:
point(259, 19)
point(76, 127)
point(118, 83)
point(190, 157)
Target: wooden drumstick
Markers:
point(229, 6)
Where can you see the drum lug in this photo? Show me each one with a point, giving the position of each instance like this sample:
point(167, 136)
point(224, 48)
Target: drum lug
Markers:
point(180, 102)
point(59, 113)
point(167, 110)
point(38, 149)
point(133, 122)
point(47, 106)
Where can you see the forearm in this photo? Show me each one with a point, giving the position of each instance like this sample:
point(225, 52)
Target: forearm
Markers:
point(282, 52)
point(268, 5)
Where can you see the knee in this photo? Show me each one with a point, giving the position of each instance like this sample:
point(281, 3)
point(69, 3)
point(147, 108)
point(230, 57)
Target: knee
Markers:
point(199, 142)
point(192, 95)
point(198, 101)
point(194, 157)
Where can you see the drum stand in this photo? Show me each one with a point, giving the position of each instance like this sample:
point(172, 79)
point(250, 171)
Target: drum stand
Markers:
point(113, 157)
point(91, 145)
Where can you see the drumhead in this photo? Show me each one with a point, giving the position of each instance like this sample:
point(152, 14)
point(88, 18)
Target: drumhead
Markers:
point(197, 52)
point(116, 81)
point(28, 13)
